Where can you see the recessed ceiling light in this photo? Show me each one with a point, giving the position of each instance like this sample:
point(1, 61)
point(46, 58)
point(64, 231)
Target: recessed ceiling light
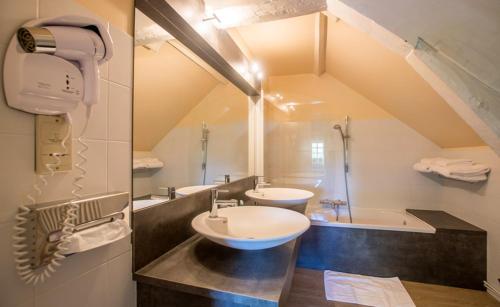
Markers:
point(255, 67)
point(233, 15)
point(202, 28)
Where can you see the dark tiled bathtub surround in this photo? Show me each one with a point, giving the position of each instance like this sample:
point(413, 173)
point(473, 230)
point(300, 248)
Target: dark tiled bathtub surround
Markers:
point(159, 228)
point(454, 256)
point(202, 273)
point(443, 221)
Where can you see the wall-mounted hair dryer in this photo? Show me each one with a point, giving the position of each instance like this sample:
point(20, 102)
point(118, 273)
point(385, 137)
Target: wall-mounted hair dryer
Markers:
point(70, 43)
point(50, 66)
point(53, 64)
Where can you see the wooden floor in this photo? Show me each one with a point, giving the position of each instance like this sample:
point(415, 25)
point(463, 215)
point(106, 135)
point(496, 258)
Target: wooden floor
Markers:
point(308, 291)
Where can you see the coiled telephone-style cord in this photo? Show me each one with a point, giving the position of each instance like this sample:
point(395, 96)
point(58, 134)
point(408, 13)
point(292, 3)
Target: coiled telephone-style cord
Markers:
point(21, 252)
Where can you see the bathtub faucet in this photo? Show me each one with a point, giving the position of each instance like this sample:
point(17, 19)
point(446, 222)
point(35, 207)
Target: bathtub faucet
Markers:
point(335, 204)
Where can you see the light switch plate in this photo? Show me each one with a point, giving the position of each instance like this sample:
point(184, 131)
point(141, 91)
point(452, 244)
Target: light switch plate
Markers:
point(50, 132)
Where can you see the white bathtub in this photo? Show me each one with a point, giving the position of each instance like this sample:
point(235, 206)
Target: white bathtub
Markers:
point(369, 218)
point(144, 203)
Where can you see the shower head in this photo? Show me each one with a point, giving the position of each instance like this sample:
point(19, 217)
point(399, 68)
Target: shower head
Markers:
point(341, 131)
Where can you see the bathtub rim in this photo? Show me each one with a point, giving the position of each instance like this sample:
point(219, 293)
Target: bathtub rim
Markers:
point(427, 229)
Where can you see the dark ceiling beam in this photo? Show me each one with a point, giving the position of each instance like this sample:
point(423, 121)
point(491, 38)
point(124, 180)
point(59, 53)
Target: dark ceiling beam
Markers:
point(217, 48)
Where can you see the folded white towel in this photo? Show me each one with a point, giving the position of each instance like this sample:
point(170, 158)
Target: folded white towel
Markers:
point(154, 164)
point(448, 171)
point(366, 290)
point(471, 179)
point(468, 170)
point(422, 167)
point(444, 162)
point(139, 163)
point(97, 236)
point(459, 169)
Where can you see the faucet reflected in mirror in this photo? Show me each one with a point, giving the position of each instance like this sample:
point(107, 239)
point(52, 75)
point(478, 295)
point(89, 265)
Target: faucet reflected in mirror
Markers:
point(259, 182)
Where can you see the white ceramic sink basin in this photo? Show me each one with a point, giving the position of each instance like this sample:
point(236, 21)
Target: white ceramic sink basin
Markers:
point(193, 189)
point(280, 196)
point(251, 227)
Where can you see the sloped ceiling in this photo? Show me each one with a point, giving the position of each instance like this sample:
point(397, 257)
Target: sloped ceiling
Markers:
point(286, 47)
point(234, 13)
point(386, 79)
point(167, 85)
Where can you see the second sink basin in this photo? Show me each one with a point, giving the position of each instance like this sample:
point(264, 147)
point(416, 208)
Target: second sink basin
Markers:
point(280, 196)
point(251, 227)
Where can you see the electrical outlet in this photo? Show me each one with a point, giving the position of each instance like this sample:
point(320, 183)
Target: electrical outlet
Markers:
point(50, 133)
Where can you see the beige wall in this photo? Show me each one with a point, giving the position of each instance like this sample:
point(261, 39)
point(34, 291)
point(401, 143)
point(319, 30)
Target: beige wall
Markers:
point(119, 13)
point(167, 85)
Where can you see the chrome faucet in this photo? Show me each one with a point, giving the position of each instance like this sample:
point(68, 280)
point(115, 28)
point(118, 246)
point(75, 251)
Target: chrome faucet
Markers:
point(219, 203)
point(335, 204)
point(257, 184)
point(227, 179)
point(170, 193)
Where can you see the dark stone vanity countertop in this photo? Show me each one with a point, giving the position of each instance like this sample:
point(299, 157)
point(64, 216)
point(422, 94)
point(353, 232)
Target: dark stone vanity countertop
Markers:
point(201, 267)
point(443, 221)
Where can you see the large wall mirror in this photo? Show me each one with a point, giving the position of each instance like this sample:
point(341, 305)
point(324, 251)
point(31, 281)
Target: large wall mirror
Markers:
point(190, 123)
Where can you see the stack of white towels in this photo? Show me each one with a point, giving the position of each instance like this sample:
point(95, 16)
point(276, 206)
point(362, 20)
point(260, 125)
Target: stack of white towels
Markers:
point(146, 163)
point(459, 169)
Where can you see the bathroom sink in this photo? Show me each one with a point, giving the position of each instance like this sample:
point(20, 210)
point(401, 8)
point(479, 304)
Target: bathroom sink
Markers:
point(280, 196)
point(193, 189)
point(251, 227)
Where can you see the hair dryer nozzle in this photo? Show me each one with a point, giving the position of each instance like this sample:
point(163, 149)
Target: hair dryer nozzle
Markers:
point(36, 40)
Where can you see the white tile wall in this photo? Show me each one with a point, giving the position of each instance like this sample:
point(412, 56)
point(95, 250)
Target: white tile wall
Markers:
point(17, 164)
point(119, 177)
point(101, 277)
point(88, 289)
point(121, 65)
point(13, 292)
point(13, 14)
point(382, 153)
point(120, 282)
point(97, 127)
point(120, 118)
